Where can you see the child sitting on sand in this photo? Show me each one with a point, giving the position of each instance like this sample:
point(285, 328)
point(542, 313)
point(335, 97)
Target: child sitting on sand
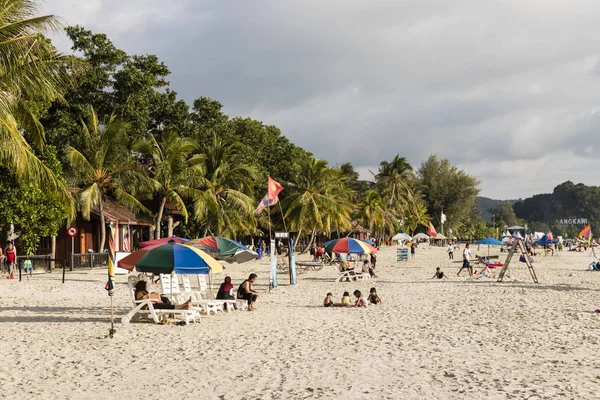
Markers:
point(439, 274)
point(373, 297)
point(345, 300)
point(328, 302)
point(360, 300)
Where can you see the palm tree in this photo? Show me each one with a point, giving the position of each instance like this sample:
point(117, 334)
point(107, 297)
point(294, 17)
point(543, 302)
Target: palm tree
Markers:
point(393, 180)
point(319, 200)
point(31, 71)
point(224, 204)
point(100, 173)
point(176, 171)
point(372, 211)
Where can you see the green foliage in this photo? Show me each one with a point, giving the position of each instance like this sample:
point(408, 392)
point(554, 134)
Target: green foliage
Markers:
point(34, 212)
point(450, 190)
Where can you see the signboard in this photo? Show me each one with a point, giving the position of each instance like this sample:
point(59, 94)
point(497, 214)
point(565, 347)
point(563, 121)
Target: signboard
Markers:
point(282, 235)
point(72, 231)
point(573, 221)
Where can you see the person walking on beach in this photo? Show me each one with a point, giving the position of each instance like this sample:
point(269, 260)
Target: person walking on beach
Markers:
point(466, 263)
point(450, 251)
point(412, 250)
point(11, 260)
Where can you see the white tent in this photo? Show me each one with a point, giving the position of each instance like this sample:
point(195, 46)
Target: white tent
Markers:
point(506, 234)
point(421, 236)
point(439, 236)
point(517, 235)
point(516, 228)
point(401, 236)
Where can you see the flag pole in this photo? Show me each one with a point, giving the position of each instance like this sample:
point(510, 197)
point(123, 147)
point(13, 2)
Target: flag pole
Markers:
point(282, 217)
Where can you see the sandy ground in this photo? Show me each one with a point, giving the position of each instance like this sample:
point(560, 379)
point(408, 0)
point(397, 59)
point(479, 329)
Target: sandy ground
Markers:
point(457, 338)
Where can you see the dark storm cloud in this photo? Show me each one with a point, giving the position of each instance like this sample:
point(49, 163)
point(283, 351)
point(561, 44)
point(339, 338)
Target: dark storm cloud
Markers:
point(505, 89)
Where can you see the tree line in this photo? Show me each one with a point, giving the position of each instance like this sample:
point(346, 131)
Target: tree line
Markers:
point(79, 129)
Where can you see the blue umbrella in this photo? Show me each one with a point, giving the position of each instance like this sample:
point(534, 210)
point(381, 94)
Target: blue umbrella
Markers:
point(489, 241)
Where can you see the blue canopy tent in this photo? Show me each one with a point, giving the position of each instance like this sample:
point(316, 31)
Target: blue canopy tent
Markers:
point(489, 242)
point(544, 241)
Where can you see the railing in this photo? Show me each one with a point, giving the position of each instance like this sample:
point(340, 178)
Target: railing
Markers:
point(89, 260)
point(35, 263)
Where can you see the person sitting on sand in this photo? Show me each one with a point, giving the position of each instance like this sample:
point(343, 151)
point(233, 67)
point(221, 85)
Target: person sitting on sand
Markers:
point(226, 291)
point(373, 297)
point(345, 300)
point(439, 274)
point(360, 300)
point(328, 302)
point(158, 302)
point(245, 292)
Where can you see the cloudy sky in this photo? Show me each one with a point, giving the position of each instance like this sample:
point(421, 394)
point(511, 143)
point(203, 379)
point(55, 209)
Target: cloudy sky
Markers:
point(509, 90)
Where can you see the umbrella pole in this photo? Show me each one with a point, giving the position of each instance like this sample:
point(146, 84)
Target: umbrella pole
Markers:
point(111, 332)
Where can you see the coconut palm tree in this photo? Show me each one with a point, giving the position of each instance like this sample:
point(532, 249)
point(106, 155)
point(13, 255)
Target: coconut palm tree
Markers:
point(99, 171)
point(224, 204)
point(319, 199)
point(394, 179)
point(175, 170)
point(31, 72)
point(372, 211)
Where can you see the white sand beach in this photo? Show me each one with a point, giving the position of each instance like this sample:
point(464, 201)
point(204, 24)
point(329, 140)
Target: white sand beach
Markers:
point(456, 338)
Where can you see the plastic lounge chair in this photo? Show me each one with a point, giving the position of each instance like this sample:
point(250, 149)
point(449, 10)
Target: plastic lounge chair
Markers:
point(144, 309)
point(209, 305)
point(171, 282)
point(348, 275)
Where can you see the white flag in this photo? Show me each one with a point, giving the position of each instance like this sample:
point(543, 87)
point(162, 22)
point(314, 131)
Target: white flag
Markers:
point(443, 218)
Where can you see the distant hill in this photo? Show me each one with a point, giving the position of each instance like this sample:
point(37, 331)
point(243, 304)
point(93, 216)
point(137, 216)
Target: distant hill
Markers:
point(484, 204)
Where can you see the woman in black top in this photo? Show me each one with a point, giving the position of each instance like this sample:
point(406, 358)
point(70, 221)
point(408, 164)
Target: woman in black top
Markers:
point(245, 292)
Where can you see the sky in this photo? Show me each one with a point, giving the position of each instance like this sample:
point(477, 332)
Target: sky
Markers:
point(508, 90)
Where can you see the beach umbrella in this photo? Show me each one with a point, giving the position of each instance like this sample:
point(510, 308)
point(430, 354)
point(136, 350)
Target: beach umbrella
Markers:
point(349, 246)
point(489, 242)
point(173, 257)
point(158, 242)
point(223, 248)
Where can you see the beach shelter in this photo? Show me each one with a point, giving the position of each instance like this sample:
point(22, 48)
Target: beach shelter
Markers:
point(158, 242)
point(489, 242)
point(546, 240)
point(401, 236)
point(439, 236)
point(420, 236)
point(506, 234)
point(223, 248)
point(349, 246)
point(517, 235)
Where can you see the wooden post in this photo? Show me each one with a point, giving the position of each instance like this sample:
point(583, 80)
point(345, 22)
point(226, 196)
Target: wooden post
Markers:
point(517, 244)
point(52, 253)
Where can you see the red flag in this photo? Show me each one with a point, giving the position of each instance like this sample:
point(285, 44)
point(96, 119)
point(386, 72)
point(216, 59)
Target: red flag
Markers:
point(431, 232)
point(273, 189)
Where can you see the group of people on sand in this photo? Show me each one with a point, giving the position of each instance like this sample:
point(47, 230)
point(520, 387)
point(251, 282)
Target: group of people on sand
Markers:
point(359, 301)
point(244, 292)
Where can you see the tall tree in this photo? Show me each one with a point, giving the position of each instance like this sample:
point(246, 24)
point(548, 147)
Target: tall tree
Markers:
point(319, 200)
point(31, 71)
point(100, 172)
point(224, 204)
point(448, 189)
point(175, 170)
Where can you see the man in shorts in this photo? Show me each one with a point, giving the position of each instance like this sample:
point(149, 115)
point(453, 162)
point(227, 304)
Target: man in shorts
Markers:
point(466, 263)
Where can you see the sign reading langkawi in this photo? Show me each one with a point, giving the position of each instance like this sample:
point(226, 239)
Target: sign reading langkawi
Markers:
point(573, 221)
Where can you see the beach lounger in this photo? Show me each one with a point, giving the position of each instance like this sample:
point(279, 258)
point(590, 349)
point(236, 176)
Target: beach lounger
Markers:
point(349, 275)
point(210, 305)
point(144, 309)
point(171, 282)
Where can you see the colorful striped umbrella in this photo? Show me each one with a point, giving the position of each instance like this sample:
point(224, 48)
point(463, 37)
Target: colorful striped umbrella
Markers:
point(349, 246)
point(171, 257)
point(224, 249)
point(158, 242)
